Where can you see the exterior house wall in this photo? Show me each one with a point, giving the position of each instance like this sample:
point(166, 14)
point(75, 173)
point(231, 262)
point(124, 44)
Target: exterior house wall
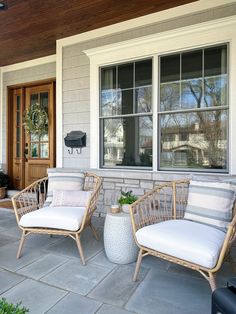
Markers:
point(76, 75)
point(30, 74)
point(76, 107)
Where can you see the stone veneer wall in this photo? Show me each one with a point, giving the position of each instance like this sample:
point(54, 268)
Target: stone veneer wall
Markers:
point(112, 187)
point(140, 183)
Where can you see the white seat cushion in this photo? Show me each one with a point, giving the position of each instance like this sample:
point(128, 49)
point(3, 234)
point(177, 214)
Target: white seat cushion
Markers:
point(66, 218)
point(191, 241)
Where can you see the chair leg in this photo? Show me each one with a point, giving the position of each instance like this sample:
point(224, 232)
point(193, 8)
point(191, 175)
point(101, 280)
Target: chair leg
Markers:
point(21, 244)
point(138, 264)
point(94, 232)
point(81, 253)
point(212, 281)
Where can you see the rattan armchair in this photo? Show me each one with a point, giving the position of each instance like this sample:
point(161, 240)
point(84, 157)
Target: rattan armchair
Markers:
point(168, 202)
point(33, 198)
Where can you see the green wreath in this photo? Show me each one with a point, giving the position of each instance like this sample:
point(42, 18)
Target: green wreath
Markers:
point(36, 120)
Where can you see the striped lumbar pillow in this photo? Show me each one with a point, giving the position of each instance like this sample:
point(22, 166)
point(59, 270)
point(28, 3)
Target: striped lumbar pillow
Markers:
point(69, 181)
point(210, 203)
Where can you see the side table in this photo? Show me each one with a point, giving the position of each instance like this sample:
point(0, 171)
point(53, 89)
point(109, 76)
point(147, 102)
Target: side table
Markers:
point(119, 243)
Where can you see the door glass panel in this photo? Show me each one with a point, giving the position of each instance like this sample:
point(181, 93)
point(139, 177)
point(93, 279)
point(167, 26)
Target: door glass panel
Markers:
point(17, 102)
point(18, 118)
point(44, 138)
point(33, 99)
point(34, 137)
point(44, 150)
point(37, 148)
point(34, 150)
point(18, 134)
point(17, 150)
point(44, 101)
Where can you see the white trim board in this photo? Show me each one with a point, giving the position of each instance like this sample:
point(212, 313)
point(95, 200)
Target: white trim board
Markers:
point(59, 106)
point(29, 64)
point(203, 34)
point(148, 40)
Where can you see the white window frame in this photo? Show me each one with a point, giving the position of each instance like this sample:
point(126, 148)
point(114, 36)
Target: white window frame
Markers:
point(196, 36)
point(134, 114)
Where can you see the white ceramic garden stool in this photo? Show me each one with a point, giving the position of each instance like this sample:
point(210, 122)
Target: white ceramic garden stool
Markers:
point(119, 242)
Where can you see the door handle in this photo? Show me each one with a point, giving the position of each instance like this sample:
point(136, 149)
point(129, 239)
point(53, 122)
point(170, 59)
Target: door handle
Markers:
point(26, 152)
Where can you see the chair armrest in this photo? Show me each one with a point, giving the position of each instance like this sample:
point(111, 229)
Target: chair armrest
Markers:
point(166, 201)
point(30, 199)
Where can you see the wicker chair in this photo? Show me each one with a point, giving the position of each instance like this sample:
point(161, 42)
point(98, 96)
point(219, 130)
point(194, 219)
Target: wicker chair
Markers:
point(33, 198)
point(167, 202)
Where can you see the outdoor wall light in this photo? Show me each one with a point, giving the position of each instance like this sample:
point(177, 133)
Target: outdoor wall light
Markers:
point(3, 6)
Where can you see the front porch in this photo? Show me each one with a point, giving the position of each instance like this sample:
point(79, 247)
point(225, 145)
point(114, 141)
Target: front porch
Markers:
point(49, 277)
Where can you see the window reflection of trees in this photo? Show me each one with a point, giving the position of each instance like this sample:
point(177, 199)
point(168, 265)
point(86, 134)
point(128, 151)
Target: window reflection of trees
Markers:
point(207, 129)
point(201, 107)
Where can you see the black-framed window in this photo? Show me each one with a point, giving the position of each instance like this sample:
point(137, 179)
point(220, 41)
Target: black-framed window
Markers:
point(126, 127)
point(193, 110)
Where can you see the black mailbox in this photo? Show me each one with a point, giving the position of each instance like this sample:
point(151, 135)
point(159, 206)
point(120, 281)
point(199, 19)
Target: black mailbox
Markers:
point(75, 139)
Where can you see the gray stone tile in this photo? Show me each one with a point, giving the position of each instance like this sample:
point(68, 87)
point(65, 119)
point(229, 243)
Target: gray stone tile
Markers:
point(42, 266)
point(41, 240)
point(8, 280)
point(101, 260)
point(13, 231)
point(35, 296)
point(171, 293)
point(178, 269)
point(233, 251)
point(155, 263)
point(108, 309)
point(74, 303)
point(68, 247)
point(225, 273)
point(117, 287)
point(98, 221)
point(75, 277)
point(8, 223)
point(8, 258)
point(6, 213)
point(5, 239)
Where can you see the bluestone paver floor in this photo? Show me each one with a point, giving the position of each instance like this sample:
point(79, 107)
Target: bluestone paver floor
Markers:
point(49, 278)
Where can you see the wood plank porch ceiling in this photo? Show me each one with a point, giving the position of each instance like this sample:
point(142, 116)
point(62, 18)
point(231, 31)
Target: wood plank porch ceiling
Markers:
point(29, 28)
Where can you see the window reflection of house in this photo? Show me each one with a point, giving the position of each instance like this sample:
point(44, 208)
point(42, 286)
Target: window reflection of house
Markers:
point(186, 147)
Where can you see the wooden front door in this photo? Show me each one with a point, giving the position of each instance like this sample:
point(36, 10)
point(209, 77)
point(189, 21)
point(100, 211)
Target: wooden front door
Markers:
point(31, 154)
